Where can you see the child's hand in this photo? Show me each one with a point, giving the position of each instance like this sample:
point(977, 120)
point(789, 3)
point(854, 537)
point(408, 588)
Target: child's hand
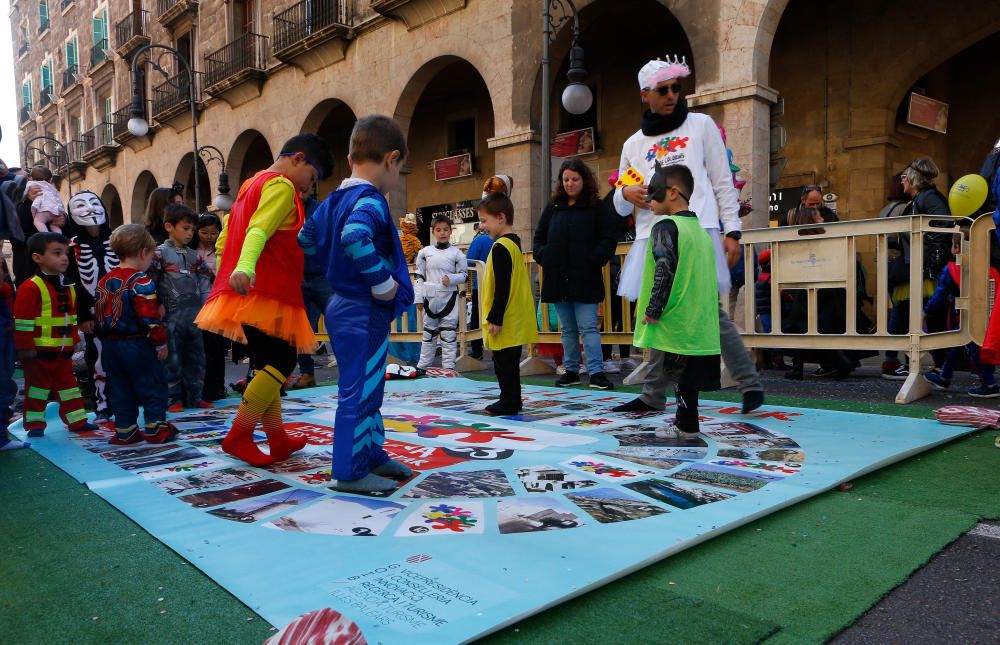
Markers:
point(650, 321)
point(495, 329)
point(241, 283)
point(445, 281)
point(26, 354)
point(161, 355)
point(87, 327)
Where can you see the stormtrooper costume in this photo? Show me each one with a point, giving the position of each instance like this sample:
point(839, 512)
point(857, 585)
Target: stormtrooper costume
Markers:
point(91, 258)
point(440, 300)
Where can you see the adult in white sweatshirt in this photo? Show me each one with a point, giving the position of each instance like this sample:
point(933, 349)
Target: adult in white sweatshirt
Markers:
point(672, 135)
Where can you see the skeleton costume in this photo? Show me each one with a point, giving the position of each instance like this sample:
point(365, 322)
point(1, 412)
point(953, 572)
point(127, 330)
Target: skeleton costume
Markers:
point(439, 300)
point(91, 258)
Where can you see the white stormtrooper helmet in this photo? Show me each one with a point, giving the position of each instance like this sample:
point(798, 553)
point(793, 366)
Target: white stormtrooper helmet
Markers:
point(87, 209)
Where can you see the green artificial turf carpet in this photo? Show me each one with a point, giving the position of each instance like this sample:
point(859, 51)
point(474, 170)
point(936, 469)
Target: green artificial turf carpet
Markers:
point(74, 569)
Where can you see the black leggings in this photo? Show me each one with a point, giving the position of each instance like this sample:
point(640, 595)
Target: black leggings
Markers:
point(267, 350)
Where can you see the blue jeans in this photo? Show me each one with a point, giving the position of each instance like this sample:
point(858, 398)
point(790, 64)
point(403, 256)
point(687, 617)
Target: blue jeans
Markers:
point(136, 378)
point(579, 320)
point(316, 293)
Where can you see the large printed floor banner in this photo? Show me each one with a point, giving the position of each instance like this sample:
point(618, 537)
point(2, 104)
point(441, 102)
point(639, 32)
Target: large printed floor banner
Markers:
point(504, 516)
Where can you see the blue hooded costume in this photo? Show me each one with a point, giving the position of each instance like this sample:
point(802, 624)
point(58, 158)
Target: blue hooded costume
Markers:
point(356, 245)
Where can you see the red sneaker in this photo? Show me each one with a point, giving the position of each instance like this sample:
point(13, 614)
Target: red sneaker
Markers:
point(160, 433)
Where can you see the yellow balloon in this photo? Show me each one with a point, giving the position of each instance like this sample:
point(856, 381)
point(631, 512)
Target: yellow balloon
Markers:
point(968, 195)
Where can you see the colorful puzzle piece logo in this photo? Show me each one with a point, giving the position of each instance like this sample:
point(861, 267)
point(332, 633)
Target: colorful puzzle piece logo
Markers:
point(666, 146)
point(443, 517)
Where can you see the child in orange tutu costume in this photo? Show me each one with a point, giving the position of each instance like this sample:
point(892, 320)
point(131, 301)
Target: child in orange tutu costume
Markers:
point(251, 301)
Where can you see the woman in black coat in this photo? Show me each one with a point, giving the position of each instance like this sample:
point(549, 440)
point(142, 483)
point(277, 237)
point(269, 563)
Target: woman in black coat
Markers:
point(575, 238)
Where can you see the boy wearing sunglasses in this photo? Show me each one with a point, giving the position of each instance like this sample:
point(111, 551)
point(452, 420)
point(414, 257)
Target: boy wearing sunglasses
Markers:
point(257, 295)
point(678, 301)
point(45, 333)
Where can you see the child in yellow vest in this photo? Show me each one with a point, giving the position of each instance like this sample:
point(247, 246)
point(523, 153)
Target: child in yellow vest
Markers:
point(506, 297)
point(679, 300)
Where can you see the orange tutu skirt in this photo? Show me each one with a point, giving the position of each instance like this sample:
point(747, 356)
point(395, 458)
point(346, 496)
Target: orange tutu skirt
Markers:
point(228, 312)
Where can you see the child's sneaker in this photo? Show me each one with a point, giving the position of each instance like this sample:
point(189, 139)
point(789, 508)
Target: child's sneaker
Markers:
point(160, 433)
point(125, 437)
point(176, 407)
point(933, 376)
point(568, 378)
point(985, 391)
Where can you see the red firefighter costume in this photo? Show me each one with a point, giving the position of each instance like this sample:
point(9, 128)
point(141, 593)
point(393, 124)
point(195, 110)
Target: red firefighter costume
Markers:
point(45, 320)
point(260, 239)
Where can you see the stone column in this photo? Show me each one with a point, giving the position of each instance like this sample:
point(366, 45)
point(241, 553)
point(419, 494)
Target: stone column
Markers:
point(519, 154)
point(745, 113)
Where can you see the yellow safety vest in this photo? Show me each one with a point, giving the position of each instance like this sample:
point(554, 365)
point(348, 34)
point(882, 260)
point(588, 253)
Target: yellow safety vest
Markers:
point(46, 321)
point(519, 324)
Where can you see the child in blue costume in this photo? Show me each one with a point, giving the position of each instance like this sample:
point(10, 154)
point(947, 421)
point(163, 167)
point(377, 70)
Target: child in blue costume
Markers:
point(355, 242)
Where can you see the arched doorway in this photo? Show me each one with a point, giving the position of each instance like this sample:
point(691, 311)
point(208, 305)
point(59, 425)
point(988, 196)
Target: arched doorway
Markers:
point(250, 154)
point(113, 203)
point(332, 120)
point(447, 112)
point(185, 175)
point(145, 184)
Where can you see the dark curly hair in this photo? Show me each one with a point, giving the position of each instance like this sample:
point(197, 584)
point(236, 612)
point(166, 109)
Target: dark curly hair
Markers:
point(588, 196)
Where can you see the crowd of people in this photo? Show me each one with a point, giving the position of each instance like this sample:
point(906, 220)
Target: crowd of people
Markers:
point(156, 308)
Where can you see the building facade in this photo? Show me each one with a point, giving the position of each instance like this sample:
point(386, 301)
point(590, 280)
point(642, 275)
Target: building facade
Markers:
point(809, 91)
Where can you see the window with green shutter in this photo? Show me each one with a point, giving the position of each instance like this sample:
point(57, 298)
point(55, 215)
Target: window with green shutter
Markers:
point(43, 15)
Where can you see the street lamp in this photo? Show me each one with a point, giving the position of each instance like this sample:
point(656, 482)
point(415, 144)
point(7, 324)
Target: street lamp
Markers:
point(223, 201)
point(137, 123)
point(577, 97)
point(48, 157)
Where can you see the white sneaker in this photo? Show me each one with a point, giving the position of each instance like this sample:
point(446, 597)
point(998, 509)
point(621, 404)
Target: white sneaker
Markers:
point(612, 367)
point(629, 365)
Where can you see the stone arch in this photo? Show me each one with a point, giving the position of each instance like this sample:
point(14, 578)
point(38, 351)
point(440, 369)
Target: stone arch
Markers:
point(185, 175)
point(144, 185)
point(113, 203)
point(249, 154)
point(333, 120)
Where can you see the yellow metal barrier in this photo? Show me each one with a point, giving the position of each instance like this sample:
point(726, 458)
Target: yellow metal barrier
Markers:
point(812, 258)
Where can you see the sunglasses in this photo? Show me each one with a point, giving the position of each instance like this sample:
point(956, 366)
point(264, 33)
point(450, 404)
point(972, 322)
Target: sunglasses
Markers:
point(663, 90)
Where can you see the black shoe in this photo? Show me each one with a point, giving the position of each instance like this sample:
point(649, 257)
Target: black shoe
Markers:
point(794, 375)
point(753, 400)
point(567, 379)
point(600, 382)
point(635, 405)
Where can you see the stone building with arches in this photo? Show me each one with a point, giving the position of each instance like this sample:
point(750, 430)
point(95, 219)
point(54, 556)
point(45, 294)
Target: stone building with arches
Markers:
point(464, 76)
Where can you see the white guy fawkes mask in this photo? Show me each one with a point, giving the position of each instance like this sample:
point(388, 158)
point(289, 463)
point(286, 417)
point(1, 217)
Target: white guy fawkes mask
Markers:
point(87, 209)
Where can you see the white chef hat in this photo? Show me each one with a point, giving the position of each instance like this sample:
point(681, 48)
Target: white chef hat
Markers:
point(657, 71)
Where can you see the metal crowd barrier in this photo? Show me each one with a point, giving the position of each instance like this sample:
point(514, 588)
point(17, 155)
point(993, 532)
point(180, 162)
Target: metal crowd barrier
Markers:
point(808, 258)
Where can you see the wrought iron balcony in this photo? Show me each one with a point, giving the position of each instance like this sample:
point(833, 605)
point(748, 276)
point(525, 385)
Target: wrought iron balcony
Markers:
point(172, 97)
point(309, 20)
point(99, 145)
point(99, 53)
point(170, 11)
point(45, 97)
point(237, 71)
point(132, 32)
point(70, 76)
